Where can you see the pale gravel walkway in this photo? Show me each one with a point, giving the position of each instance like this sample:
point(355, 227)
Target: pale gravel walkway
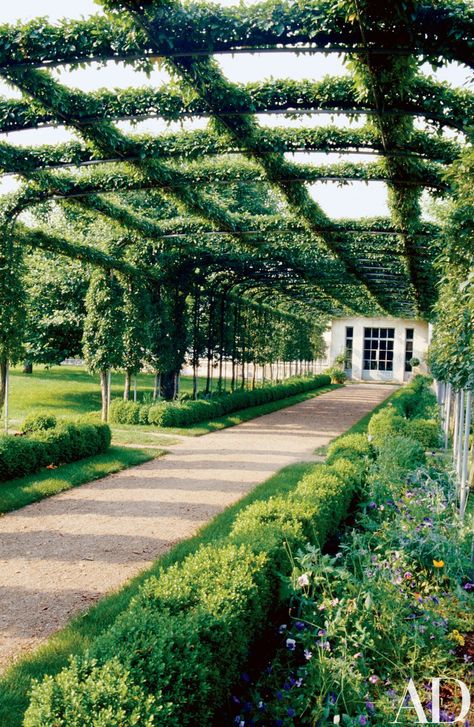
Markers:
point(59, 556)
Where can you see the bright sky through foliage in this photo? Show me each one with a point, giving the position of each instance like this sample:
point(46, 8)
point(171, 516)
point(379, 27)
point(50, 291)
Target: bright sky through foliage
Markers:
point(356, 199)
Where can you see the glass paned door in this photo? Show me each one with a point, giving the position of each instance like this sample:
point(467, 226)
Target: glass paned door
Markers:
point(378, 349)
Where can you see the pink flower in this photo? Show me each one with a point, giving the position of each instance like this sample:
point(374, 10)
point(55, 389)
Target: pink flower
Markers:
point(373, 679)
point(303, 580)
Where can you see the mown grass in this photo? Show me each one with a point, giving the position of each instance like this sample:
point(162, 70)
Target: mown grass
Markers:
point(25, 490)
point(82, 630)
point(68, 391)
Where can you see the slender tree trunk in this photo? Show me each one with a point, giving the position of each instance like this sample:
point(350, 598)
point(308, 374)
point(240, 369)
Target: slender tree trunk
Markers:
point(254, 374)
point(126, 386)
point(209, 346)
point(104, 389)
point(157, 386)
point(196, 341)
point(221, 341)
point(27, 366)
point(3, 382)
point(168, 385)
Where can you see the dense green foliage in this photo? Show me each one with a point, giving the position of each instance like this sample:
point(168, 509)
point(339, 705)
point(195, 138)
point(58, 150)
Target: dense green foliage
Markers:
point(50, 446)
point(452, 347)
point(190, 412)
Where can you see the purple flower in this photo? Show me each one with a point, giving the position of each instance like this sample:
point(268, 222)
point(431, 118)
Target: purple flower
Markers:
point(370, 707)
point(308, 654)
point(372, 505)
point(300, 626)
point(291, 644)
point(290, 712)
point(362, 719)
point(332, 698)
point(468, 586)
point(245, 677)
point(322, 632)
point(373, 679)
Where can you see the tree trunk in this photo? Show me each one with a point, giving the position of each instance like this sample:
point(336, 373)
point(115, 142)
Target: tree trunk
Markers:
point(254, 374)
point(157, 386)
point(104, 390)
point(168, 385)
point(3, 382)
point(27, 366)
point(126, 387)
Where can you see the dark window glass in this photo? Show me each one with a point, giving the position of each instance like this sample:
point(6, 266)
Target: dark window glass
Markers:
point(378, 349)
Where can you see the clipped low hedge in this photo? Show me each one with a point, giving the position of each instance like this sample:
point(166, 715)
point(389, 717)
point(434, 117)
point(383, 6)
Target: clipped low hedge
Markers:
point(173, 414)
point(186, 636)
point(411, 413)
point(23, 455)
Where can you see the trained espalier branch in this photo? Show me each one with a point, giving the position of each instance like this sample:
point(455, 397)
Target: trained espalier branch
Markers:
point(370, 266)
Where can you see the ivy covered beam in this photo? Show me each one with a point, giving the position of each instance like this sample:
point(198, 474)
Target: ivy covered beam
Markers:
point(437, 29)
point(36, 238)
point(436, 101)
point(196, 144)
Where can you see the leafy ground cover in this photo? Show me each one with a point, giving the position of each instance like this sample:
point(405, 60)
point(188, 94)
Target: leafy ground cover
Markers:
point(25, 490)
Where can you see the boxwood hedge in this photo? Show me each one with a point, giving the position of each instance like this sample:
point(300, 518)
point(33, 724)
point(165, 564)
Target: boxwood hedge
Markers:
point(25, 454)
point(183, 414)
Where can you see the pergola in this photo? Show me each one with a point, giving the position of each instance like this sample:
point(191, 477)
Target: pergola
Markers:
point(382, 266)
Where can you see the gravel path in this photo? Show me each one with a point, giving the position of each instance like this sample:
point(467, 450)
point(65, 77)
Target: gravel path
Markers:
point(60, 555)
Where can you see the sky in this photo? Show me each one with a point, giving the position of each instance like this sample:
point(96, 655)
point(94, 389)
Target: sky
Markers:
point(355, 200)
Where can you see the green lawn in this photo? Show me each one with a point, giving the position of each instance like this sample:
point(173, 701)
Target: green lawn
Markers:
point(81, 632)
point(67, 391)
point(17, 493)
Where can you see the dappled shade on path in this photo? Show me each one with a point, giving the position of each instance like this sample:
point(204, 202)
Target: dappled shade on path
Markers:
point(60, 555)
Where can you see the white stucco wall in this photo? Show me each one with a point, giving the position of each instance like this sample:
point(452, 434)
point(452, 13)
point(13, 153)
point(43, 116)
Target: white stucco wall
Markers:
point(420, 345)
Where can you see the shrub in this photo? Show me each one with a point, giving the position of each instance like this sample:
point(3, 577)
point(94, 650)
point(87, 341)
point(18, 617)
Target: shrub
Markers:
point(188, 412)
point(338, 376)
point(397, 456)
point(187, 633)
point(24, 455)
point(125, 412)
point(386, 423)
point(38, 422)
point(90, 694)
point(19, 456)
point(425, 431)
point(352, 447)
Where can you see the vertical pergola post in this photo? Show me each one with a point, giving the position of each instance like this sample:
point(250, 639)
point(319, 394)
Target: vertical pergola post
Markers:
point(464, 458)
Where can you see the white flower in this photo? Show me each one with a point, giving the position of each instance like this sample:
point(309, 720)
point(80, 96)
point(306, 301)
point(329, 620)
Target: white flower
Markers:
point(303, 580)
point(291, 644)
